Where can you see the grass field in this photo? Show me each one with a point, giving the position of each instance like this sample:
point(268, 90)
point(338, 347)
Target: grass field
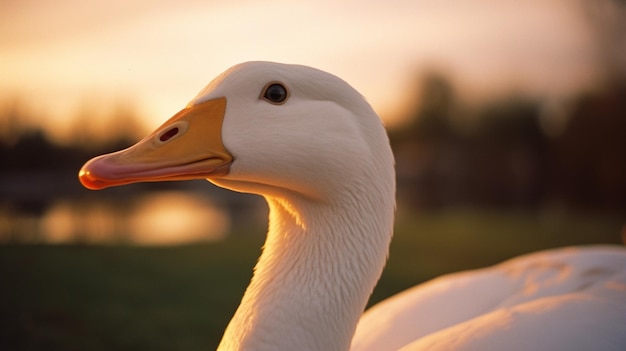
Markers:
point(181, 298)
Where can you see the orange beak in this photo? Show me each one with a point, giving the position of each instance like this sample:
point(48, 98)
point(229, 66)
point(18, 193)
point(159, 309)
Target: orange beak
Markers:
point(188, 146)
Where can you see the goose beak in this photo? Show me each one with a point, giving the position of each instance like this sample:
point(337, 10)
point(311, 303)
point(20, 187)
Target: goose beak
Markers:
point(188, 146)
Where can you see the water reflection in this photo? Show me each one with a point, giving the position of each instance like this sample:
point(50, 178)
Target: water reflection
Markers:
point(175, 217)
point(161, 218)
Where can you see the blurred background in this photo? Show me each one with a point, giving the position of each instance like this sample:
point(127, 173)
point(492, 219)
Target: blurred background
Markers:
point(507, 119)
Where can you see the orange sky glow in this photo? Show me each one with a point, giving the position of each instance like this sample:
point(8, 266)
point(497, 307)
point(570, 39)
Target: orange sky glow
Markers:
point(57, 56)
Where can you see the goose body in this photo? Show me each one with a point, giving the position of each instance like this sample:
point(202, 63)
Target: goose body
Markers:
point(318, 153)
point(562, 299)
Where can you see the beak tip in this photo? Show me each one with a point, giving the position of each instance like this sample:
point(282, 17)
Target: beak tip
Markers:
point(88, 181)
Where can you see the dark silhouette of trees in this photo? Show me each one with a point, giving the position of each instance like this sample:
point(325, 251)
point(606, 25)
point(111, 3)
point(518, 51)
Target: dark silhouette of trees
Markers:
point(26, 147)
point(502, 155)
point(589, 157)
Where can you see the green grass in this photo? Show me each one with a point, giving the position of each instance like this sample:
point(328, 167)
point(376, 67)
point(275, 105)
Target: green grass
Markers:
point(181, 298)
point(121, 298)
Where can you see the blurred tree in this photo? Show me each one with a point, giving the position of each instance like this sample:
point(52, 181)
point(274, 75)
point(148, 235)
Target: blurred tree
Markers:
point(508, 153)
point(589, 157)
point(13, 122)
point(24, 147)
point(425, 148)
point(502, 155)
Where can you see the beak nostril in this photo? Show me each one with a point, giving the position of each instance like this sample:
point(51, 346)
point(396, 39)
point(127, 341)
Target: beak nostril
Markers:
point(169, 134)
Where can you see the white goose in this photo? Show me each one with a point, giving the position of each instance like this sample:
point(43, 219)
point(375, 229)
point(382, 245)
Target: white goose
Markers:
point(318, 153)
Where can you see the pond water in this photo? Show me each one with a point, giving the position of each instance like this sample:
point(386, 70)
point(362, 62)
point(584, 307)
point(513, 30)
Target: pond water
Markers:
point(154, 218)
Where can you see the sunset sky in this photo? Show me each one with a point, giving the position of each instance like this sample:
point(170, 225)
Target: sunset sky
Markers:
point(56, 56)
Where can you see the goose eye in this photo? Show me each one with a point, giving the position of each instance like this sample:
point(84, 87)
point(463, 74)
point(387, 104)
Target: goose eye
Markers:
point(275, 93)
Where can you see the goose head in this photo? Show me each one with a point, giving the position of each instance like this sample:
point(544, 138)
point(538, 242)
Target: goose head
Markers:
point(260, 127)
point(315, 149)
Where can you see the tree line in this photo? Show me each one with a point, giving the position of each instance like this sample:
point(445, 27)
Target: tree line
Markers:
point(514, 152)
